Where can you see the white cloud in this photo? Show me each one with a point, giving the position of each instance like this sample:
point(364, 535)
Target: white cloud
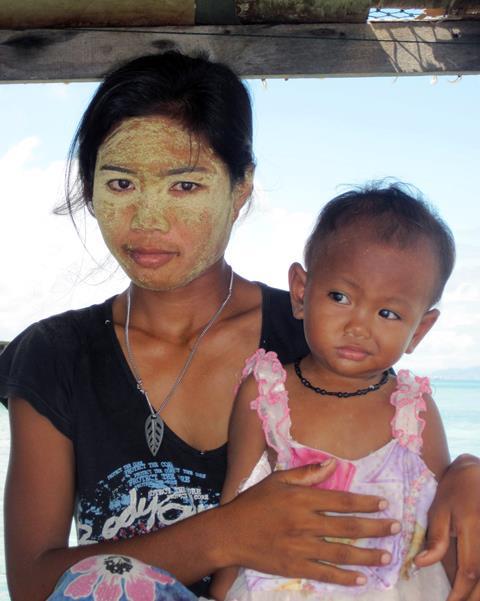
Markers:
point(269, 240)
point(43, 261)
point(454, 341)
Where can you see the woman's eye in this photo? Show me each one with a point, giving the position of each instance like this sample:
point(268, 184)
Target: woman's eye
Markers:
point(338, 297)
point(119, 185)
point(185, 186)
point(387, 314)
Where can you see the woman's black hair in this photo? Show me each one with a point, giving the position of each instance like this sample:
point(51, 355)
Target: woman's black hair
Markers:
point(396, 214)
point(204, 96)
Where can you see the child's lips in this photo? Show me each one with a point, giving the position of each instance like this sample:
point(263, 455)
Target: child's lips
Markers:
point(353, 353)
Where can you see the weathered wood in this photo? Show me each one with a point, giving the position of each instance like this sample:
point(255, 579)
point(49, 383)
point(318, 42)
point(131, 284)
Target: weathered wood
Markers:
point(464, 9)
point(82, 13)
point(303, 11)
point(154, 13)
point(253, 51)
point(220, 12)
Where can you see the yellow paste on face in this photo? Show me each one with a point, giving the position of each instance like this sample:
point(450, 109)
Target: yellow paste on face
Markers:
point(158, 188)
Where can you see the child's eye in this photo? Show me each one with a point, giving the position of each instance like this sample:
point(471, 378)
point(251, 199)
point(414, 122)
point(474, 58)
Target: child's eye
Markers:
point(387, 314)
point(185, 186)
point(338, 297)
point(120, 185)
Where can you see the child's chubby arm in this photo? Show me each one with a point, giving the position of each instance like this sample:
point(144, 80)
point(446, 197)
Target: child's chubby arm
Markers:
point(437, 457)
point(246, 444)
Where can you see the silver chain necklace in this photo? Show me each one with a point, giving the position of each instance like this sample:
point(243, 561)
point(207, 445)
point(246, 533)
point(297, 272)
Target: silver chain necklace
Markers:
point(154, 425)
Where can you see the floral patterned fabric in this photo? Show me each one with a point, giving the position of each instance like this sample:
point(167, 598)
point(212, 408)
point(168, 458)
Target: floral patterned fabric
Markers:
point(118, 578)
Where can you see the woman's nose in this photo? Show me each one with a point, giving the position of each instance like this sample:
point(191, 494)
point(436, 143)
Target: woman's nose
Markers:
point(150, 213)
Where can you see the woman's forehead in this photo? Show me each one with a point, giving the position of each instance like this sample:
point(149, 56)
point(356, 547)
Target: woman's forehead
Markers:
point(154, 137)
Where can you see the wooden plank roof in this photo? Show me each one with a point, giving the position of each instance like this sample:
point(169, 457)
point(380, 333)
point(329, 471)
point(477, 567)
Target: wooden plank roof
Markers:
point(65, 40)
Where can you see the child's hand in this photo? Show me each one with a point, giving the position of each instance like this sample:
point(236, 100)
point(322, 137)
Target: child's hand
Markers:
point(456, 510)
point(278, 525)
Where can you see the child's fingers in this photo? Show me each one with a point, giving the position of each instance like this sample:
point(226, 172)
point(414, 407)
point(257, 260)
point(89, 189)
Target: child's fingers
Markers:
point(437, 542)
point(455, 511)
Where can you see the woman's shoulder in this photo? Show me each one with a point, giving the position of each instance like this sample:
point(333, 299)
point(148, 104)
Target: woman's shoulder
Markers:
point(40, 363)
point(64, 328)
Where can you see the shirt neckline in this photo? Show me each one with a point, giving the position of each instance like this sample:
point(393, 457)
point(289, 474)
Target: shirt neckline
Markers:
point(125, 367)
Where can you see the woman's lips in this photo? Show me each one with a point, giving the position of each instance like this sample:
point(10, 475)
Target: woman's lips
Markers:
point(352, 353)
point(151, 257)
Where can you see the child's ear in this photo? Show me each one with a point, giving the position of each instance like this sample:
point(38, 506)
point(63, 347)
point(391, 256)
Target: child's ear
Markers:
point(242, 192)
point(424, 326)
point(297, 280)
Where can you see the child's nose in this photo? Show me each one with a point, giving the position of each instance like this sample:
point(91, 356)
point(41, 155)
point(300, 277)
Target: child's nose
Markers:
point(357, 327)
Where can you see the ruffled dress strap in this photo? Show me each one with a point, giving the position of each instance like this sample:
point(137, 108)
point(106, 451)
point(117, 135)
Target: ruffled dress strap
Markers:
point(271, 403)
point(407, 425)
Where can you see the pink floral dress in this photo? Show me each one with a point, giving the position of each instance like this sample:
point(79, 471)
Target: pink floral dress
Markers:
point(395, 471)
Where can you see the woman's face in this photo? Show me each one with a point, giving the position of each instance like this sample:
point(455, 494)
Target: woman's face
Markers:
point(164, 202)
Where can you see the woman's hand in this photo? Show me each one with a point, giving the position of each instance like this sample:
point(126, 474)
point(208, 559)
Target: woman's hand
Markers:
point(456, 511)
point(278, 526)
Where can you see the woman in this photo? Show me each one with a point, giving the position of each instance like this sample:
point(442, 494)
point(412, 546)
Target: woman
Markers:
point(127, 403)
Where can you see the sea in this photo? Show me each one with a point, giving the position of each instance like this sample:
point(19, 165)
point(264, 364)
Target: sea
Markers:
point(458, 401)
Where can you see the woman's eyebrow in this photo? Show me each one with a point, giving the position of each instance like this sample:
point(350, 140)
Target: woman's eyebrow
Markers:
point(186, 169)
point(115, 168)
point(176, 171)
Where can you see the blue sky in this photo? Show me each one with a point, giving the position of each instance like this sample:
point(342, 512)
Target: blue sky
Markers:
point(312, 136)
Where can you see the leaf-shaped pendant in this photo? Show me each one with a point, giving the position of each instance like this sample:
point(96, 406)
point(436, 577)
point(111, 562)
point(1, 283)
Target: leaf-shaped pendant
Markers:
point(154, 432)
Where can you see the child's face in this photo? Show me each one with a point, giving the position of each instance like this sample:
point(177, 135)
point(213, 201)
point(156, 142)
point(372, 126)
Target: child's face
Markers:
point(365, 303)
point(164, 202)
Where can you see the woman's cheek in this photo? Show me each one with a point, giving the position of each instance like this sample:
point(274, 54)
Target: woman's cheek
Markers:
point(211, 226)
point(110, 212)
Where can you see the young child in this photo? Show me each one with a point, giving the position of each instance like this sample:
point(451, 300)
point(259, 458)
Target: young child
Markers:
point(376, 265)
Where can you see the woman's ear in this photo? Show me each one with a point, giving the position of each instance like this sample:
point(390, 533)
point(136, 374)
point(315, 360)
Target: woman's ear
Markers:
point(427, 322)
point(297, 280)
point(242, 191)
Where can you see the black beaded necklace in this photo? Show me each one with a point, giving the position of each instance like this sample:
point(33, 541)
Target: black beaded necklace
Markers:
point(342, 395)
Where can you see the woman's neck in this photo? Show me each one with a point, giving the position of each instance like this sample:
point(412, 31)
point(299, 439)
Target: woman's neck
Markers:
point(180, 313)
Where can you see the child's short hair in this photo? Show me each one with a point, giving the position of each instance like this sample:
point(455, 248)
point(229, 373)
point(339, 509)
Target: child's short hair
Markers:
point(399, 216)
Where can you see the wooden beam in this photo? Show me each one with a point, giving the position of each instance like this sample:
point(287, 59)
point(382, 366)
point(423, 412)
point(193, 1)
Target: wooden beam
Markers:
point(34, 14)
point(101, 13)
point(302, 11)
point(253, 51)
point(464, 9)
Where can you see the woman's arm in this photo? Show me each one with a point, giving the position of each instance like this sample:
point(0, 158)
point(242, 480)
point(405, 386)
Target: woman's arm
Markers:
point(456, 510)
point(39, 498)
point(275, 527)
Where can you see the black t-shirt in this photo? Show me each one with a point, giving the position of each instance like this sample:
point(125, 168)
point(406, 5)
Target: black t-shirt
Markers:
point(72, 370)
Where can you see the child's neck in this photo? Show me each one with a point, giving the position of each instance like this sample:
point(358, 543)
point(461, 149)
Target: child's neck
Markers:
point(317, 374)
